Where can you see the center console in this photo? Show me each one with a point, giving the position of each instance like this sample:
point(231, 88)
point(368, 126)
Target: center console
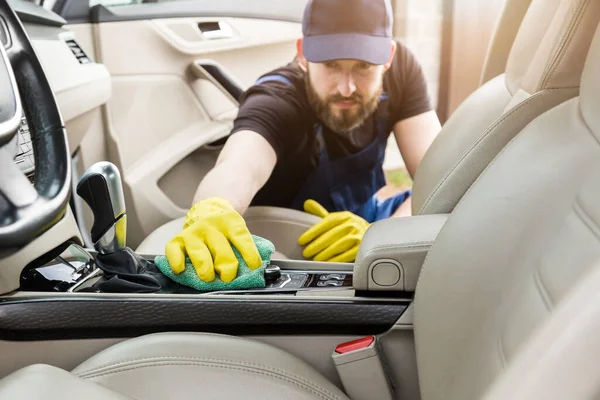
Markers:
point(61, 300)
point(78, 292)
point(76, 269)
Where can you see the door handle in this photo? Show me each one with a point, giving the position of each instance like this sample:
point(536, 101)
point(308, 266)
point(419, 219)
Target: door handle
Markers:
point(215, 30)
point(218, 75)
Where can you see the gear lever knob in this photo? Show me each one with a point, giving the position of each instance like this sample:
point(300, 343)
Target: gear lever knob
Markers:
point(101, 188)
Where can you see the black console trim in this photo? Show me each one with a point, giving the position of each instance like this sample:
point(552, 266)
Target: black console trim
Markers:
point(79, 318)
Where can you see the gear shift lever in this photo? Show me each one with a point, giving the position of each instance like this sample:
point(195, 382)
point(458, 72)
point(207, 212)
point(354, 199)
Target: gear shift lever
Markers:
point(101, 188)
point(124, 271)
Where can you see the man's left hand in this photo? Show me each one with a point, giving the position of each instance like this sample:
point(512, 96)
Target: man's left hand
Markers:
point(335, 238)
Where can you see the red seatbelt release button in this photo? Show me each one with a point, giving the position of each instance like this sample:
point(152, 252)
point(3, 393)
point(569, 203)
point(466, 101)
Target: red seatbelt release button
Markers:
point(357, 344)
point(362, 370)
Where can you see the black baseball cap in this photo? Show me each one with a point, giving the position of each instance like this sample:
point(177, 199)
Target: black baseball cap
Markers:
point(347, 29)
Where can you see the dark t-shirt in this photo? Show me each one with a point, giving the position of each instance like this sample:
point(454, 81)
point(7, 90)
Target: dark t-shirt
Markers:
point(281, 113)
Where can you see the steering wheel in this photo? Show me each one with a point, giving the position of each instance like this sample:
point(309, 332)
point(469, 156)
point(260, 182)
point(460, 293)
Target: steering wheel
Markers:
point(28, 210)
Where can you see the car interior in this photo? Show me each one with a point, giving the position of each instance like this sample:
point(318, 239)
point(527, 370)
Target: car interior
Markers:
point(111, 115)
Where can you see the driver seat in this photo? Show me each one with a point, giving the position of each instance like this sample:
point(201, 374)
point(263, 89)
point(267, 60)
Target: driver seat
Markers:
point(543, 69)
point(507, 305)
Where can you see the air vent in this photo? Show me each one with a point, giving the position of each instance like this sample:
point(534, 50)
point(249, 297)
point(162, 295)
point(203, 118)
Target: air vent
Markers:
point(78, 52)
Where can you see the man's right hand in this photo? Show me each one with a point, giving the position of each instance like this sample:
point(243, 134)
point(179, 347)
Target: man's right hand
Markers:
point(211, 227)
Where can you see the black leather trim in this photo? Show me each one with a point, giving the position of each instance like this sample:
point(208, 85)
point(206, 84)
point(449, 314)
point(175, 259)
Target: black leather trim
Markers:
point(78, 318)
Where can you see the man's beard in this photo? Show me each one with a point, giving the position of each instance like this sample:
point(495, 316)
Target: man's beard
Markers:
point(342, 121)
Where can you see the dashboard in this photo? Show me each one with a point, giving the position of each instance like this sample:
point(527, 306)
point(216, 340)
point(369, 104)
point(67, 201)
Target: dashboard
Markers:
point(80, 84)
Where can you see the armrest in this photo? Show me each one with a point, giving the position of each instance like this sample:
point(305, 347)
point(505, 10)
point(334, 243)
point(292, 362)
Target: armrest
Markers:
point(392, 252)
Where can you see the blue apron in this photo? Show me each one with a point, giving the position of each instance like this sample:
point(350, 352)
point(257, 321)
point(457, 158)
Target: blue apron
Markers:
point(349, 183)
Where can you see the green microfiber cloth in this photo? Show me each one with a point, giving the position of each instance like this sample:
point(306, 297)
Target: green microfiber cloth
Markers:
point(246, 278)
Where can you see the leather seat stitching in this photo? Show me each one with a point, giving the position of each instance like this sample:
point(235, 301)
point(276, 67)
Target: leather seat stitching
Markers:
point(502, 353)
point(483, 136)
point(398, 247)
point(586, 219)
point(542, 290)
point(240, 366)
point(410, 244)
point(161, 358)
point(91, 372)
point(564, 44)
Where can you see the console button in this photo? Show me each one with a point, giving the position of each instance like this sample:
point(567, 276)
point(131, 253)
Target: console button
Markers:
point(297, 280)
point(338, 277)
point(288, 281)
point(330, 283)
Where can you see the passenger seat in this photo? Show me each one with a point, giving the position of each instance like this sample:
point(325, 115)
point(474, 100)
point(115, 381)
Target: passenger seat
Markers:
point(543, 70)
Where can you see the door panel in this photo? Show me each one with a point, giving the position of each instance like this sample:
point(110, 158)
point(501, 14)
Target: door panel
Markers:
point(163, 115)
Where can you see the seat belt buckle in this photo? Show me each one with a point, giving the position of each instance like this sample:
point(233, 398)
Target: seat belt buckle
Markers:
point(362, 370)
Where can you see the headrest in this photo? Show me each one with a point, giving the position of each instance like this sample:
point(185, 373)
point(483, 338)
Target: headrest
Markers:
point(590, 87)
point(551, 46)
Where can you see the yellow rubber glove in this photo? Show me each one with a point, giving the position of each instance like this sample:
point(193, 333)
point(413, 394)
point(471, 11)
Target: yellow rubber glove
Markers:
point(211, 227)
point(335, 238)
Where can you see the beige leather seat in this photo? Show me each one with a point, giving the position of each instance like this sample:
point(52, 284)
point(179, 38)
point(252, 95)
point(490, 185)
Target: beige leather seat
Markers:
point(525, 234)
point(507, 305)
point(543, 70)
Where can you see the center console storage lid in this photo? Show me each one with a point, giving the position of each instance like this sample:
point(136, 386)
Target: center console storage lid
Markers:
point(393, 250)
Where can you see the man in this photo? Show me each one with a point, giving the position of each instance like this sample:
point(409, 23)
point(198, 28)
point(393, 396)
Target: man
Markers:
point(312, 136)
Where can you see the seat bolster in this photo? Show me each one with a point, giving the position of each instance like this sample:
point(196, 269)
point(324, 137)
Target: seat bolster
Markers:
point(42, 381)
point(216, 366)
point(453, 174)
point(476, 114)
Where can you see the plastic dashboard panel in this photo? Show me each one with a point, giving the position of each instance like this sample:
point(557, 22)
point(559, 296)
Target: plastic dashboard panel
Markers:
point(78, 87)
point(93, 317)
